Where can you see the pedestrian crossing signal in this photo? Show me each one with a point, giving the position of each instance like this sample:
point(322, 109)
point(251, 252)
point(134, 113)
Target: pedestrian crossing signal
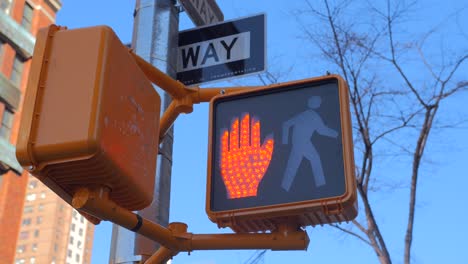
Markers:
point(90, 117)
point(281, 153)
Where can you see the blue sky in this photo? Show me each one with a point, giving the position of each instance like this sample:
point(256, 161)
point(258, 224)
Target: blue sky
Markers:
point(440, 235)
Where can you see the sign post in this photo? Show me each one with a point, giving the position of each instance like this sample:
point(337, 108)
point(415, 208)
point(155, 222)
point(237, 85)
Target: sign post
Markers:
point(156, 25)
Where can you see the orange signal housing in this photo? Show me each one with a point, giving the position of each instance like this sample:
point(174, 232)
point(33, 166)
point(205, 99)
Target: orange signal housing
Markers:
point(320, 211)
point(90, 117)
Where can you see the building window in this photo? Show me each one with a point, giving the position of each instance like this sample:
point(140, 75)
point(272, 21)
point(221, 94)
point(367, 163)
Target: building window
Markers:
point(21, 249)
point(5, 5)
point(43, 195)
point(75, 214)
point(55, 247)
point(70, 254)
point(79, 244)
point(26, 222)
point(31, 197)
point(7, 123)
point(34, 247)
point(2, 45)
point(40, 207)
point(39, 220)
point(77, 257)
point(17, 70)
point(36, 233)
point(32, 260)
point(27, 16)
point(20, 261)
point(32, 184)
point(71, 240)
point(73, 227)
point(24, 235)
point(80, 232)
point(82, 219)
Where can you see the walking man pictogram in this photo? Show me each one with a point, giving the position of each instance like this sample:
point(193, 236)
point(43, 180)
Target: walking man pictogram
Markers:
point(304, 125)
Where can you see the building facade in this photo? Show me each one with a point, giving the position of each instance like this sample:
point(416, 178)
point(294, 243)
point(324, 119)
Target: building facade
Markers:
point(52, 231)
point(47, 224)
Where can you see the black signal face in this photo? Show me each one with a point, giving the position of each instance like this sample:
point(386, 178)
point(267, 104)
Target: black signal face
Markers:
point(277, 146)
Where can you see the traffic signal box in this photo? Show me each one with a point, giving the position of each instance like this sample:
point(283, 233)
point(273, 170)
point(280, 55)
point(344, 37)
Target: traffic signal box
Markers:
point(282, 154)
point(90, 117)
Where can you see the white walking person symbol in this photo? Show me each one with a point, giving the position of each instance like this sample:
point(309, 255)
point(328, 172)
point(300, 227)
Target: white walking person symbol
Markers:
point(304, 125)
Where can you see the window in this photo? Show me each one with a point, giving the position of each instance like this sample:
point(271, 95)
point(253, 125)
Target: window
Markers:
point(6, 124)
point(77, 257)
point(39, 219)
point(82, 219)
point(55, 247)
point(32, 184)
point(24, 234)
point(73, 227)
point(27, 16)
point(17, 70)
point(21, 249)
point(71, 240)
point(79, 244)
point(28, 209)
point(20, 261)
point(26, 222)
point(75, 214)
point(40, 207)
point(34, 247)
point(31, 197)
point(80, 232)
point(36, 233)
point(2, 43)
point(32, 260)
point(5, 5)
point(70, 253)
point(43, 195)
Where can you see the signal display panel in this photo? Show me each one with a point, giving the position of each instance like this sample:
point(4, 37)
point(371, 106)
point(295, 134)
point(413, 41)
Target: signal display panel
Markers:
point(278, 146)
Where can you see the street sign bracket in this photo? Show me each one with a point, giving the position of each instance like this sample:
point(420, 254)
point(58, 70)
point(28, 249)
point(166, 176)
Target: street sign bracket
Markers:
point(183, 97)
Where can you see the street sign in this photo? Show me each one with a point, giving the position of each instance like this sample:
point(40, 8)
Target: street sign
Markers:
point(281, 153)
point(221, 51)
point(203, 12)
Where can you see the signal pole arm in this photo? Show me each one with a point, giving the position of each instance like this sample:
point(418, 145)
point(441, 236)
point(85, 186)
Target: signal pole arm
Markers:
point(175, 237)
point(183, 98)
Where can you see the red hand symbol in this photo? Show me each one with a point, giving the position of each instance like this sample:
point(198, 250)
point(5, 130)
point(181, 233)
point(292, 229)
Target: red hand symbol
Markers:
point(243, 161)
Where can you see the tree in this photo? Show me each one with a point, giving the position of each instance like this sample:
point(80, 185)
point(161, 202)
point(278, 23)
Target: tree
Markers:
point(389, 98)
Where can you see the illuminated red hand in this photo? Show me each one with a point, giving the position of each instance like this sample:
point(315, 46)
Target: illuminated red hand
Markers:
point(243, 160)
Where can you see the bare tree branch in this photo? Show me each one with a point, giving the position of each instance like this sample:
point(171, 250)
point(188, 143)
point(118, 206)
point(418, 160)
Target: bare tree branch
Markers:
point(382, 116)
point(352, 233)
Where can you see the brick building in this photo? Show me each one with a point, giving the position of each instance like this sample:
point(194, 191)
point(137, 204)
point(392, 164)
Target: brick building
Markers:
point(51, 231)
point(40, 223)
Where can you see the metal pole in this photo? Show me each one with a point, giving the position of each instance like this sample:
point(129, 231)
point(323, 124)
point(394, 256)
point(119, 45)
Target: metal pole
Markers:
point(155, 35)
